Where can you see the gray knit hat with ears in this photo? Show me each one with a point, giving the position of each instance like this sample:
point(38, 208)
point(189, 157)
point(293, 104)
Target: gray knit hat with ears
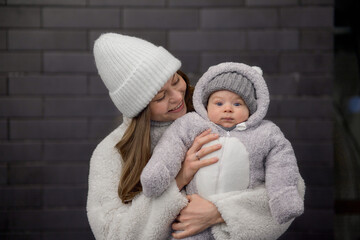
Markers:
point(234, 82)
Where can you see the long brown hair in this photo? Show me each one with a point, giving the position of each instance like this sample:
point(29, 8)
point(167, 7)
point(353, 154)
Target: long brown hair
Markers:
point(135, 148)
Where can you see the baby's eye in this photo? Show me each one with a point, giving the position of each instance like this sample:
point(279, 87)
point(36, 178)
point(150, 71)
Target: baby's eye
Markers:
point(237, 104)
point(219, 104)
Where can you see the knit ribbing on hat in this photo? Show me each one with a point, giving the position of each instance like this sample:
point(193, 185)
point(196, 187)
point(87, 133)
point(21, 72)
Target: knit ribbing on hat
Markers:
point(234, 82)
point(133, 70)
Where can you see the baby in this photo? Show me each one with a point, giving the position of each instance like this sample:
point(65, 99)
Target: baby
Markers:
point(232, 99)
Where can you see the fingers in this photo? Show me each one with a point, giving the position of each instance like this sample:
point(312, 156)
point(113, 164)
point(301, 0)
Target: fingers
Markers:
point(178, 227)
point(183, 234)
point(206, 162)
point(207, 150)
point(202, 139)
point(206, 132)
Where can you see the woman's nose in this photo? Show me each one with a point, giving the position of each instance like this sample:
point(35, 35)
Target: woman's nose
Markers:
point(175, 95)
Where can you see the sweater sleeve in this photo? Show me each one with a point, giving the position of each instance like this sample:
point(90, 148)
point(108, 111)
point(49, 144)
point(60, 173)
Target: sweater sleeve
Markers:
point(281, 178)
point(109, 218)
point(165, 162)
point(247, 215)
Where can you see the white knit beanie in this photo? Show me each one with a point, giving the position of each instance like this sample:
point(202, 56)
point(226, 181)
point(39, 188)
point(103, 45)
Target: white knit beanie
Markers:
point(133, 70)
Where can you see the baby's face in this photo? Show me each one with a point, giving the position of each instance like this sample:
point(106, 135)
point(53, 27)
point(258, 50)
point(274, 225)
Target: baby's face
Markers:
point(227, 108)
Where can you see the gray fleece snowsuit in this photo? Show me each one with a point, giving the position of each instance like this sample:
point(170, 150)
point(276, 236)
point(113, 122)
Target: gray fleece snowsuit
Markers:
point(252, 153)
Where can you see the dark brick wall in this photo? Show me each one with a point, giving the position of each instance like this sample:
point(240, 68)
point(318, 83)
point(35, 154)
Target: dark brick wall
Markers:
point(54, 108)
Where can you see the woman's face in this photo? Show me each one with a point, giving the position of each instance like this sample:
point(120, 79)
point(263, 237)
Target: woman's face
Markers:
point(169, 104)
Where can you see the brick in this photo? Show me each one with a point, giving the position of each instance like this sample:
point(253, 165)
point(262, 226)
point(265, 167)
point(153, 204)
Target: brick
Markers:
point(69, 175)
point(306, 108)
point(68, 235)
point(3, 41)
point(273, 111)
point(308, 235)
point(268, 62)
point(20, 107)
point(158, 37)
point(319, 197)
point(81, 17)
point(161, 18)
point(48, 85)
point(306, 62)
point(273, 40)
point(21, 235)
point(48, 129)
point(47, 220)
point(314, 129)
point(21, 197)
point(47, 40)
point(69, 151)
point(3, 224)
point(19, 17)
point(27, 175)
point(286, 84)
point(65, 197)
point(3, 129)
point(317, 39)
point(121, 3)
point(190, 62)
point(50, 175)
point(311, 219)
point(101, 128)
point(25, 220)
point(13, 62)
point(317, 176)
point(317, 2)
point(80, 107)
point(3, 175)
point(316, 85)
point(314, 153)
point(306, 17)
point(47, 2)
point(3, 85)
point(18, 151)
point(271, 2)
point(238, 18)
point(206, 3)
point(197, 41)
point(59, 220)
point(69, 62)
point(288, 127)
point(97, 86)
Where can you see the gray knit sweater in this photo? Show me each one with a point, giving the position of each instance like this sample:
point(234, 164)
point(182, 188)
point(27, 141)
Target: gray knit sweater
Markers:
point(259, 153)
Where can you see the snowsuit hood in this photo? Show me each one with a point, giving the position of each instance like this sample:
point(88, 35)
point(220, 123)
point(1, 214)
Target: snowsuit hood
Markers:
point(253, 74)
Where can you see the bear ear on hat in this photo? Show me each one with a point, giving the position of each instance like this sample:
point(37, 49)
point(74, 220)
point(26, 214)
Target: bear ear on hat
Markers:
point(257, 69)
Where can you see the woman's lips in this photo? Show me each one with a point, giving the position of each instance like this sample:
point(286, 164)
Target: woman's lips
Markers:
point(178, 108)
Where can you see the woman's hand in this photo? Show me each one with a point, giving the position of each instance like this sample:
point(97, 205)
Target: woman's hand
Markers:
point(197, 216)
point(191, 164)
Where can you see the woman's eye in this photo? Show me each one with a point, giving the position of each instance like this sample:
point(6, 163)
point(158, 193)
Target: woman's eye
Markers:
point(176, 81)
point(161, 98)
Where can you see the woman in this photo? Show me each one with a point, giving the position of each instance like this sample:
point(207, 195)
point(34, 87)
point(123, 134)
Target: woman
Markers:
point(147, 88)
